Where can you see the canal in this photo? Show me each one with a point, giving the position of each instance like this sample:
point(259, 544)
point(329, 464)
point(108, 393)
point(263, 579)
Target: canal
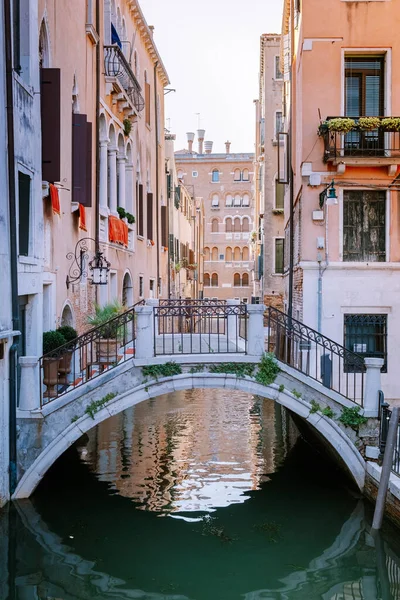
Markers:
point(196, 495)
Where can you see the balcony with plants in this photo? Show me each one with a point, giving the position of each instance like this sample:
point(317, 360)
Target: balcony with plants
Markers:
point(119, 72)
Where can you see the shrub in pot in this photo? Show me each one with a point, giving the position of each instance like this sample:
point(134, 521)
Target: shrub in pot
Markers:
point(108, 330)
point(64, 365)
point(52, 340)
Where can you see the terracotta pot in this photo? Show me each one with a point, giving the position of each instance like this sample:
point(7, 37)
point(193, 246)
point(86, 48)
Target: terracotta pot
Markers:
point(64, 366)
point(50, 376)
point(107, 350)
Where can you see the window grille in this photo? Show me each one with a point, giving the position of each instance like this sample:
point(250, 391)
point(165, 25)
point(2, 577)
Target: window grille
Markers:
point(365, 335)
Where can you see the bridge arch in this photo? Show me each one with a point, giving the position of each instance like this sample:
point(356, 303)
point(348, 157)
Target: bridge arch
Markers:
point(327, 429)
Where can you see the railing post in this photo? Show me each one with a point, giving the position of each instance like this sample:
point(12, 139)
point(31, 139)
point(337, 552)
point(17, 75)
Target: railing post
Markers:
point(233, 324)
point(372, 386)
point(29, 394)
point(144, 332)
point(255, 330)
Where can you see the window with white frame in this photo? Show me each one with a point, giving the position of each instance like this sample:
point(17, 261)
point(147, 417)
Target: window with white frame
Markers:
point(237, 175)
point(229, 200)
point(238, 200)
point(215, 201)
point(245, 175)
point(246, 200)
point(215, 176)
point(279, 195)
point(195, 173)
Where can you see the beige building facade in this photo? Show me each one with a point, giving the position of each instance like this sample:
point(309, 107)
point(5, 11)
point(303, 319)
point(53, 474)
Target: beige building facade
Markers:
point(225, 182)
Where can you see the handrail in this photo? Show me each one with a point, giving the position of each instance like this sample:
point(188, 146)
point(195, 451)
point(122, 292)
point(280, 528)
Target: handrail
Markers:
point(116, 65)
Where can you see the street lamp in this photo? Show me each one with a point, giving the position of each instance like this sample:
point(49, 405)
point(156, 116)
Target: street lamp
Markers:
point(99, 266)
point(328, 194)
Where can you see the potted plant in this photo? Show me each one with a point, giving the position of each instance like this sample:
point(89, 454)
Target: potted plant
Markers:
point(369, 123)
point(127, 127)
point(109, 330)
point(64, 364)
point(130, 218)
point(391, 123)
point(341, 124)
point(52, 340)
point(121, 212)
point(323, 128)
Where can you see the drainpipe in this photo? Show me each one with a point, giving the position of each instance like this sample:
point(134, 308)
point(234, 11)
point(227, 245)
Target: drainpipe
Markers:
point(291, 188)
point(97, 199)
point(13, 353)
point(157, 178)
point(321, 271)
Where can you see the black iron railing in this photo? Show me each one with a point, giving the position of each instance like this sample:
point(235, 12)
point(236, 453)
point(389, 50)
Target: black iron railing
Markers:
point(116, 65)
point(384, 420)
point(379, 142)
point(190, 301)
point(199, 327)
point(88, 356)
point(315, 355)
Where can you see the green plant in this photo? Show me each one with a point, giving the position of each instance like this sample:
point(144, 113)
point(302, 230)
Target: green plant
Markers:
point(328, 412)
point(177, 267)
point(52, 340)
point(391, 123)
point(103, 314)
point(74, 418)
point(96, 405)
point(268, 369)
point(281, 387)
point(197, 369)
point(315, 407)
point(323, 128)
point(130, 218)
point(238, 369)
point(369, 123)
point(121, 212)
point(296, 394)
point(350, 417)
point(168, 369)
point(70, 334)
point(341, 124)
point(127, 126)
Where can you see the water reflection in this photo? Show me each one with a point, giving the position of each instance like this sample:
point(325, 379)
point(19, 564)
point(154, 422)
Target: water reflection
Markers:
point(252, 513)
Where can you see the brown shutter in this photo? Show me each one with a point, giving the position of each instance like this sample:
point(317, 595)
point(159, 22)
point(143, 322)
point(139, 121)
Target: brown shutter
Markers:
point(147, 101)
point(50, 86)
point(164, 226)
point(140, 215)
point(79, 157)
point(149, 216)
point(88, 195)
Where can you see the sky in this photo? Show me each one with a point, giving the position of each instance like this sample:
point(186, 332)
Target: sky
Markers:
point(211, 51)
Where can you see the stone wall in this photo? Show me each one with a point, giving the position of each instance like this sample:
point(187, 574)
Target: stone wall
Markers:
point(392, 511)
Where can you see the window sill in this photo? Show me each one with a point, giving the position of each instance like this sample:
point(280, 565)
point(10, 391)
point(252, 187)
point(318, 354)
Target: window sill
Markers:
point(92, 33)
point(28, 260)
point(278, 211)
point(140, 238)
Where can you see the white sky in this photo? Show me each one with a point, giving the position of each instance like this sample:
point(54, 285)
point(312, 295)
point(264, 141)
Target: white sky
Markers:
point(210, 49)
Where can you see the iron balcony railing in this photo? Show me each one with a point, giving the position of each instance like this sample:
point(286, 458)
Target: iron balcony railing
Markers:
point(116, 65)
point(199, 327)
point(88, 356)
point(316, 356)
point(384, 418)
point(359, 143)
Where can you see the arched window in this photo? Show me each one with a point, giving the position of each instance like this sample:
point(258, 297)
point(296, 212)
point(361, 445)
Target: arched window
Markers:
point(206, 279)
point(214, 280)
point(215, 176)
point(246, 200)
point(214, 253)
point(180, 174)
point(245, 279)
point(228, 254)
point(215, 201)
point(245, 253)
point(229, 200)
point(206, 253)
point(236, 175)
point(245, 175)
point(236, 225)
point(67, 317)
point(214, 226)
point(237, 255)
point(236, 280)
point(44, 58)
point(228, 225)
point(238, 200)
point(246, 225)
point(127, 291)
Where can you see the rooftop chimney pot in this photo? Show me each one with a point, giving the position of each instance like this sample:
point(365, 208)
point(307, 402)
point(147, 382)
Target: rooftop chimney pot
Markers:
point(208, 147)
point(190, 138)
point(228, 147)
point(200, 136)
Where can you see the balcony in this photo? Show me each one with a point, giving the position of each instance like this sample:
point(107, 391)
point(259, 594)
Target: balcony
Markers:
point(362, 146)
point(117, 67)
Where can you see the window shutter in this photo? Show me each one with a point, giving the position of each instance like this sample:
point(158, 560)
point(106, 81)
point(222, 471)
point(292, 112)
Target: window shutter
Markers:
point(88, 195)
point(140, 211)
point(149, 216)
point(164, 226)
point(171, 246)
point(50, 86)
point(79, 157)
point(147, 101)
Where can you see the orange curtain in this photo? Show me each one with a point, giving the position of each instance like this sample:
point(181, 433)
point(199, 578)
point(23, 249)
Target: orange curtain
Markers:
point(55, 199)
point(82, 217)
point(117, 231)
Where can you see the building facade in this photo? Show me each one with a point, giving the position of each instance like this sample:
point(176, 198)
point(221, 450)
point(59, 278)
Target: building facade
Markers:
point(269, 193)
point(340, 86)
point(225, 182)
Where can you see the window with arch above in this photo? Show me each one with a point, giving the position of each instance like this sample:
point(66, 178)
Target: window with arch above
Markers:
point(237, 255)
point(245, 279)
point(246, 225)
point(228, 254)
point(245, 175)
point(215, 201)
point(206, 253)
point(207, 279)
point(236, 226)
point(246, 200)
point(214, 226)
point(245, 253)
point(214, 253)
point(237, 175)
point(236, 280)
point(215, 176)
point(238, 200)
point(228, 225)
point(214, 280)
point(229, 200)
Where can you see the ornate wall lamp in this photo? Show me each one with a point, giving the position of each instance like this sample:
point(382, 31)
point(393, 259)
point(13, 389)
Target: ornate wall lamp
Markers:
point(98, 266)
point(328, 194)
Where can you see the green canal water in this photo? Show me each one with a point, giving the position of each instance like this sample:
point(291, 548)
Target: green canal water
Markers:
point(198, 495)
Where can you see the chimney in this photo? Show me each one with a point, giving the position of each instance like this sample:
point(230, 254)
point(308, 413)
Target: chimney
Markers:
point(200, 136)
point(208, 147)
point(228, 147)
point(190, 138)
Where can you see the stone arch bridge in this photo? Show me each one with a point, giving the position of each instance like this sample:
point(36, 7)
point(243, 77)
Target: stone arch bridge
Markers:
point(164, 346)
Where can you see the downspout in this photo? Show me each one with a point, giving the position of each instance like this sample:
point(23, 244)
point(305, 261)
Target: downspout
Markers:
point(321, 270)
point(291, 187)
point(97, 199)
point(157, 178)
point(13, 352)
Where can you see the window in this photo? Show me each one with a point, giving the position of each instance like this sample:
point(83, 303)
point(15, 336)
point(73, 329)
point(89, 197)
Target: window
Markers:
point(206, 253)
point(164, 226)
point(149, 216)
point(228, 254)
point(237, 175)
point(147, 101)
point(195, 174)
point(246, 225)
point(237, 255)
point(215, 176)
point(215, 201)
point(364, 226)
point(278, 123)
point(24, 208)
point(365, 335)
point(245, 279)
point(237, 226)
point(139, 210)
point(214, 280)
point(214, 226)
point(278, 72)
point(140, 286)
point(229, 200)
point(221, 257)
point(214, 254)
point(279, 255)
point(228, 225)
point(245, 253)
point(180, 175)
point(238, 200)
point(245, 175)
point(206, 279)
point(151, 288)
point(246, 200)
point(279, 195)
point(236, 280)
